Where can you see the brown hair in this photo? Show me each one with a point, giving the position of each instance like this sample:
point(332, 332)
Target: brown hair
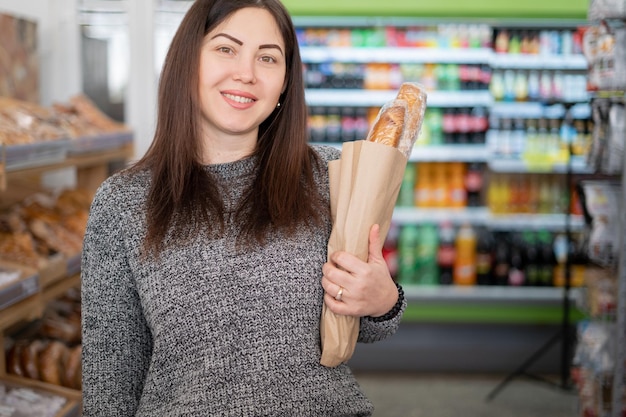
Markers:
point(183, 195)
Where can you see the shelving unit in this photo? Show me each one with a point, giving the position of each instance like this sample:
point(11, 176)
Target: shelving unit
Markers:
point(26, 299)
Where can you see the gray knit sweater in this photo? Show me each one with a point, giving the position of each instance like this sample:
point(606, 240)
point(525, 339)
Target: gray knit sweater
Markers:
point(205, 331)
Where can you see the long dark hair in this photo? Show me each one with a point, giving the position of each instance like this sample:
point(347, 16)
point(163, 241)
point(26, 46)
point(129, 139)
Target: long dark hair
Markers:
point(184, 196)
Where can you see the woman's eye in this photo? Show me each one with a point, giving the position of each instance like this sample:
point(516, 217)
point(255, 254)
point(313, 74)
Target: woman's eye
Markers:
point(268, 59)
point(225, 50)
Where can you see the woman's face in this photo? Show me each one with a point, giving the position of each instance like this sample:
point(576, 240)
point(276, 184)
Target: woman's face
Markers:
point(242, 74)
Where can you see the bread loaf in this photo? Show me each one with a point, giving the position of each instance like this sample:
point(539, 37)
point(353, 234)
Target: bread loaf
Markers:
point(30, 359)
point(415, 96)
point(72, 377)
point(389, 124)
point(51, 360)
point(399, 121)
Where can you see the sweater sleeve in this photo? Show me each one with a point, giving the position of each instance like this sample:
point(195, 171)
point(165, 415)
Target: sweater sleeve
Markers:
point(116, 338)
point(371, 331)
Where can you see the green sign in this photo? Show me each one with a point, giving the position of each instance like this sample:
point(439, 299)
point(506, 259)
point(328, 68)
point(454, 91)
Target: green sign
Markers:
point(551, 9)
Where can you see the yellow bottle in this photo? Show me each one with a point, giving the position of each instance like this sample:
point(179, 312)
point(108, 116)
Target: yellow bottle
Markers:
point(464, 272)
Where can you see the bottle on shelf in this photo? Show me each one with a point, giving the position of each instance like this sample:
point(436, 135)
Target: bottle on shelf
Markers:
point(501, 264)
point(473, 184)
point(390, 249)
point(533, 257)
point(446, 252)
point(484, 257)
point(464, 272)
point(407, 254)
point(548, 258)
point(458, 195)
point(517, 276)
point(424, 186)
point(441, 184)
point(406, 195)
point(427, 271)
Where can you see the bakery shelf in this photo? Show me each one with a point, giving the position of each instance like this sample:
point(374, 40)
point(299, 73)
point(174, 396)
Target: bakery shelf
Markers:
point(97, 159)
point(28, 309)
point(90, 144)
point(59, 288)
point(72, 405)
point(37, 154)
point(26, 285)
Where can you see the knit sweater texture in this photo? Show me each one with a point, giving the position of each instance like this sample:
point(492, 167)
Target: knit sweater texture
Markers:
point(207, 330)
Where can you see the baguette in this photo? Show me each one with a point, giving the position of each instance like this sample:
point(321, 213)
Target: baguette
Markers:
point(389, 124)
point(399, 121)
point(415, 96)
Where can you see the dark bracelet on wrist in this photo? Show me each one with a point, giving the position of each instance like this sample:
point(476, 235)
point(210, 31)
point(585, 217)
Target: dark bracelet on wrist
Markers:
point(394, 311)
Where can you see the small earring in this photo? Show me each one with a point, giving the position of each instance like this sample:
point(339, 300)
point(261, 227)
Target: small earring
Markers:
point(278, 105)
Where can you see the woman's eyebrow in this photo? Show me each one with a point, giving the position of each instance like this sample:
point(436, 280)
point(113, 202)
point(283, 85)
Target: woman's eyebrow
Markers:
point(238, 42)
point(271, 46)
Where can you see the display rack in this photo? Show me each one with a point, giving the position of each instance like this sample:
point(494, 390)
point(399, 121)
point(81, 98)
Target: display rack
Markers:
point(24, 301)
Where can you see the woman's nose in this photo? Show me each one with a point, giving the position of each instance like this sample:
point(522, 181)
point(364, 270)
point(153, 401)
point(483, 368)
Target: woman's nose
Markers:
point(244, 71)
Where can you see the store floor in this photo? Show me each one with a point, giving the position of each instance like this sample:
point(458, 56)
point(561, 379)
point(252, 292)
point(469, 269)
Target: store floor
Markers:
point(442, 395)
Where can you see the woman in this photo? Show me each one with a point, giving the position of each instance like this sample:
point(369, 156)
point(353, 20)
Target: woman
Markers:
point(204, 265)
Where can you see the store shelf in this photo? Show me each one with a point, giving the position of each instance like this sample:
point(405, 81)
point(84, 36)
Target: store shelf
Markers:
point(514, 165)
point(440, 153)
point(539, 62)
point(312, 54)
point(450, 153)
point(413, 215)
point(536, 110)
point(482, 216)
point(521, 222)
point(86, 160)
point(376, 98)
point(489, 294)
point(395, 55)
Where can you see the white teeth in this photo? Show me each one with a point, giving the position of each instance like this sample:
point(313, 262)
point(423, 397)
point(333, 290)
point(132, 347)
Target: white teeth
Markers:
point(238, 99)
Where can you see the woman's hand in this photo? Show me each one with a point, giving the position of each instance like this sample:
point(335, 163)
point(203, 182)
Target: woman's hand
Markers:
point(364, 288)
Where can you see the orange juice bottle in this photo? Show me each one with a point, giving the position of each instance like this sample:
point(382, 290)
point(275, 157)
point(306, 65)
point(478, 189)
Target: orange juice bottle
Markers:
point(457, 190)
point(464, 272)
point(424, 187)
point(441, 184)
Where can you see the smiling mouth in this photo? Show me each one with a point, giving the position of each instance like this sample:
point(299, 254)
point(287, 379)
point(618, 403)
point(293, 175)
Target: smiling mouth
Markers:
point(239, 99)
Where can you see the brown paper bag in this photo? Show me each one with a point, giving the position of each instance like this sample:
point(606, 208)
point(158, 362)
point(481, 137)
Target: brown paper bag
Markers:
point(364, 186)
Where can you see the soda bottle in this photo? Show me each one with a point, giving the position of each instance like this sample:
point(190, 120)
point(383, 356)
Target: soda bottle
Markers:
point(446, 252)
point(548, 258)
point(517, 277)
point(407, 250)
point(533, 259)
point(501, 262)
point(484, 257)
point(474, 184)
point(427, 272)
point(390, 249)
point(406, 195)
point(464, 272)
